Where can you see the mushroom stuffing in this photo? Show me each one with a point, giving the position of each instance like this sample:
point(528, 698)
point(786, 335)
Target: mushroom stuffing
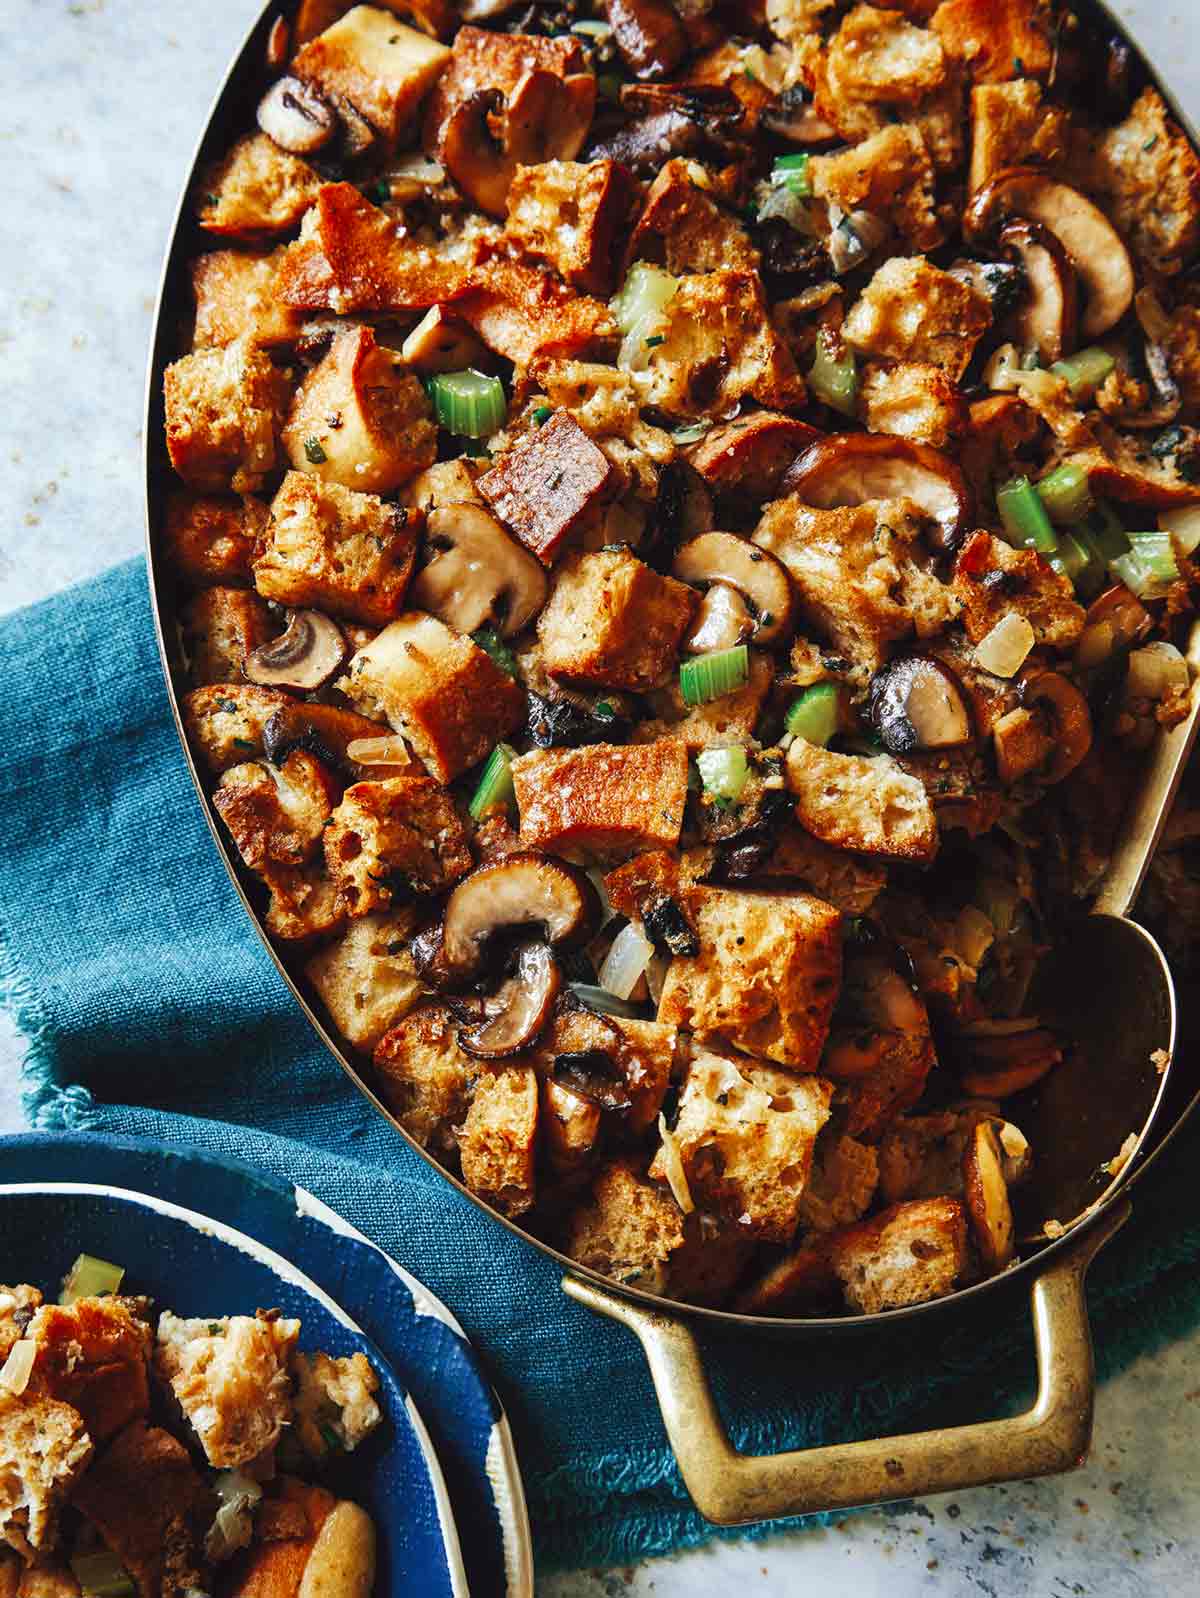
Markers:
point(682, 522)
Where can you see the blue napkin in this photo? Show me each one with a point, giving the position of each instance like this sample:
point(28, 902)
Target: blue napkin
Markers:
point(152, 1010)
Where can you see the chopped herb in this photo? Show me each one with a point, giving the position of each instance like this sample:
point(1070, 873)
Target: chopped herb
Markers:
point(746, 73)
point(334, 420)
point(604, 710)
point(1018, 66)
point(228, 706)
point(1150, 143)
point(330, 1438)
point(315, 455)
point(655, 339)
point(212, 199)
point(1167, 443)
point(542, 414)
point(243, 743)
point(490, 641)
point(380, 192)
point(215, 1329)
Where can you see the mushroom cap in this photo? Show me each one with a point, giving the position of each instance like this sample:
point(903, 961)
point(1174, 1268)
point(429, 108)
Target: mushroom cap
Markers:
point(1048, 319)
point(755, 574)
point(851, 468)
point(916, 702)
point(297, 117)
point(985, 1193)
point(519, 1009)
point(304, 656)
point(522, 889)
point(476, 570)
point(722, 622)
point(1069, 716)
point(546, 118)
point(749, 456)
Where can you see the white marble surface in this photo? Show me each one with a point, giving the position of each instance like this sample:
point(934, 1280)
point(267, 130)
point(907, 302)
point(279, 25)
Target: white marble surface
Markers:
point(104, 100)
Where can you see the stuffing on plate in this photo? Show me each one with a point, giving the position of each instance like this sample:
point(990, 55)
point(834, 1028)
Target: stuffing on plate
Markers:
point(147, 1456)
point(682, 522)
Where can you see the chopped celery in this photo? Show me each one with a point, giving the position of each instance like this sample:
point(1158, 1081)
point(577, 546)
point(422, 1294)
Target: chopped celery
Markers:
point(1024, 516)
point(1065, 494)
point(712, 676)
point(496, 784)
point(490, 641)
point(90, 1277)
point(1080, 563)
point(1150, 567)
point(791, 171)
point(645, 294)
point(1084, 371)
point(1106, 531)
point(817, 714)
point(468, 403)
point(832, 377)
point(724, 771)
point(102, 1575)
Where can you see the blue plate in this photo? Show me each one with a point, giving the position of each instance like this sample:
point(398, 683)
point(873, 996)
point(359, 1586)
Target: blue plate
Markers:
point(423, 1349)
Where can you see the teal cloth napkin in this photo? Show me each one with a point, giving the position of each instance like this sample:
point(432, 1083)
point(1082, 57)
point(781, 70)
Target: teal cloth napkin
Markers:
point(152, 1010)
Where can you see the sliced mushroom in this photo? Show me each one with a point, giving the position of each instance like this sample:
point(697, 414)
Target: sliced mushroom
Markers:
point(296, 117)
point(722, 622)
point(1000, 282)
point(594, 1075)
point(1057, 698)
point(568, 722)
point(649, 35)
point(485, 139)
point(1049, 317)
point(303, 657)
point(758, 577)
point(278, 40)
point(915, 702)
point(1017, 1155)
point(1116, 619)
point(478, 573)
point(1085, 233)
point(521, 890)
point(326, 731)
point(998, 1067)
point(520, 1008)
point(749, 457)
point(1166, 398)
point(851, 468)
point(793, 118)
point(684, 507)
point(986, 1195)
point(441, 343)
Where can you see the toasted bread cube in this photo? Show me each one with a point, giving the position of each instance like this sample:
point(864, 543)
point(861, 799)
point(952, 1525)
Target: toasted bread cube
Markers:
point(221, 626)
point(642, 1054)
point(766, 976)
point(334, 549)
point(602, 800)
point(604, 401)
point(998, 39)
point(841, 1183)
point(868, 803)
point(745, 1134)
point(1149, 174)
point(572, 214)
point(366, 979)
point(438, 689)
point(614, 622)
point(93, 1355)
point(889, 174)
point(521, 312)
point(545, 487)
point(718, 347)
point(234, 294)
point(304, 905)
point(991, 578)
point(44, 1450)
point(256, 190)
point(802, 1282)
point(226, 721)
point(1009, 124)
point(485, 59)
point(443, 483)
point(843, 880)
point(862, 579)
point(334, 1395)
point(570, 1127)
point(727, 720)
point(224, 411)
point(627, 1228)
point(360, 418)
point(913, 400)
point(381, 66)
point(682, 228)
point(906, 1255)
point(912, 311)
point(277, 814)
point(287, 1524)
point(423, 1076)
point(211, 539)
point(17, 1306)
point(498, 1139)
point(229, 1375)
point(880, 56)
point(387, 840)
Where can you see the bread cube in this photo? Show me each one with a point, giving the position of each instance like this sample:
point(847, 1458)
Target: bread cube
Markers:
point(627, 1228)
point(879, 55)
point(860, 573)
point(570, 1127)
point(684, 229)
point(380, 65)
point(388, 840)
point(913, 400)
point(224, 409)
point(423, 1076)
point(366, 979)
point(614, 622)
point(728, 720)
point(305, 905)
point(334, 549)
point(44, 1450)
point(277, 814)
point(498, 1139)
point(544, 488)
point(868, 803)
point(234, 295)
point(841, 1183)
point(221, 626)
point(998, 39)
point(889, 174)
point(334, 1396)
point(360, 418)
point(572, 214)
point(93, 1355)
point(1149, 175)
point(483, 58)
point(436, 688)
point(17, 1304)
point(908, 1254)
point(601, 800)
point(229, 1375)
point(801, 1283)
point(211, 539)
point(642, 1054)
point(992, 579)
point(443, 483)
point(604, 401)
point(766, 976)
point(1010, 123)
point(225, 722)
point(849, 883)
point(912, 311)
point(256, 190)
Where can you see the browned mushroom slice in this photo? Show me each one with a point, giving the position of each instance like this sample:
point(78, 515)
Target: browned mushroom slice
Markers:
point(297, 117)
point(303, 657)
point(1085, 233)
point(915, 702)
point(595, 1075)
point(649, 35)
point(544, 487)
point(478, 573)
point(485, 139)
point(519, 1009)
point(722, 622)
point(521, 890)
point(851, 468)
point(986, 1195)
point(1058, 699)
point(749, 457)
point(755, 574)
point(1049, 316)
point(441, 343)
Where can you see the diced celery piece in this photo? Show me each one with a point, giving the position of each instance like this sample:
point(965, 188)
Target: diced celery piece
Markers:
point(102, 1575)
point(817, 714)
point(469, 403)
point(724, 771)
point(713, 676)
point(90, 1277)
point(1084, 371)
point(833, 378)
point(1024, 516)
point(1065, 494)
point(496, 784)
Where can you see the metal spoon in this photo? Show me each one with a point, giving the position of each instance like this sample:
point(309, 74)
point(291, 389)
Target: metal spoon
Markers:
point(1107, 987)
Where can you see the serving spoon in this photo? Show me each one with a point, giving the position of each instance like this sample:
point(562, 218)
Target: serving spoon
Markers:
point(1107, 987)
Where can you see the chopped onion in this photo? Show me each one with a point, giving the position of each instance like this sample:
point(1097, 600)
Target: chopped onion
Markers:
point(18, 1367)
point(1017, 1153)
point(389, 750)
point(1183, 524)
point(625, 962)
point(673, 1165)
point(233, 1527)
point(1006, 648)
point(974, 934)
point(1156, 670)
point(656, 976)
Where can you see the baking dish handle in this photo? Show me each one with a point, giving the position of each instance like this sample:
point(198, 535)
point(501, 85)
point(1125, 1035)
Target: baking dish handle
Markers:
point(735, 1489)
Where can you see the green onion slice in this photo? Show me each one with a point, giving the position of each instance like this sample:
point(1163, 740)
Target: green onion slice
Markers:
point(1066, 494)
point(103, 1575)
point(1150, 567)
point(1084, 371)
point(469, 403)
point(833, 378)
point(816, 715)
point(1106, 531)
point(713, 676)
point(791, 171)
point(496, 784)
point(724, 771)
point(1024, 516)
point(1079, 562)
point(90, 1277)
